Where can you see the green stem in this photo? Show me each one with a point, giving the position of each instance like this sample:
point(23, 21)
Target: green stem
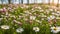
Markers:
point(36, 33)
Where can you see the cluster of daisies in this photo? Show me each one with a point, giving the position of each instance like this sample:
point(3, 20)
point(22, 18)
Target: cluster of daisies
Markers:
point(19, 30)
point(33, 17)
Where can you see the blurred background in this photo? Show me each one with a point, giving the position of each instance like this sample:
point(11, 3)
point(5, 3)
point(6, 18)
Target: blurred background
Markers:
point(28, 1)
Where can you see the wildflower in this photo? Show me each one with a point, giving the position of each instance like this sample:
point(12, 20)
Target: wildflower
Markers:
point(39, 7)
point(55, 29)
point(52, 16)
point(36, 29)
point(25, 19)
point(42, 19)
point(51, 9)
point(19, 30)
point(9, 8)
point(17, 22)
point(1, 19)
point(32, 17)
point(5, 27)
point(48, 18)
point(38, 21)
point(32, 9)
point(4, 9)
point(53, 13)
point(58, 12)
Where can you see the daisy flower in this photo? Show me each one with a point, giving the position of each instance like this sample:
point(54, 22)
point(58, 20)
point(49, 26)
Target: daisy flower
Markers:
point(32, 17)
point(5, 27)
point(19, 30)
point(55, 29)
point(36, 29)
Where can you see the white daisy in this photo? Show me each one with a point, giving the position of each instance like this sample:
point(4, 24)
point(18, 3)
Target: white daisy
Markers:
point(5, 27)
point(39, 7)
point(1, 19)
point(19, 30)
point(16, 21)
point(36, 29)
point(51, 9)
point(53, 13)
point(48, 18)
point(32, 17)
point(52, 16)
point(42, 19)
point(55, 9)
point(58, 11)
point(32, 9)
point(55, 29)
point(38, 21)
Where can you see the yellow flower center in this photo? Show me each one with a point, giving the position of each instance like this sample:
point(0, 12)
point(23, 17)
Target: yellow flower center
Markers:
point(55, 28)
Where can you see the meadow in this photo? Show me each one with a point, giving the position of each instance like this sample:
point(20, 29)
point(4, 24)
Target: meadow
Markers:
point(29, 19)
